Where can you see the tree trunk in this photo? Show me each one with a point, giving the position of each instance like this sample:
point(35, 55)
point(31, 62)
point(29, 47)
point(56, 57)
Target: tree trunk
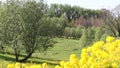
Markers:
point(119, 32)
point(17, 56)
point(26, 57)
point(16, 51)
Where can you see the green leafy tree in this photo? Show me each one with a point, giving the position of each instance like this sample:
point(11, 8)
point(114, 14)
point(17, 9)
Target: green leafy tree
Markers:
point(10, 26)
point(73, 32)
point(91, 33)
point(98, 34)
point(79, 31)
point(22, 28)
point(67, 32)
point(84, 39)
point(87, 37)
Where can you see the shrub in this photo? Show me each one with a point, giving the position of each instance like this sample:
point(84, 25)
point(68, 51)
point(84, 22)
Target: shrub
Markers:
point(84, 39)
point(98, 34)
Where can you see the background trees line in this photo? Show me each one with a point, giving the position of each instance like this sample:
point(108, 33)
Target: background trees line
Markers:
point(75, 16)
point(29, 26)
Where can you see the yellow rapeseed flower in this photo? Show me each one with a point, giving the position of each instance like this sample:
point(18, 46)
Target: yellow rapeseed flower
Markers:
point(110, 38)
point(10, 66)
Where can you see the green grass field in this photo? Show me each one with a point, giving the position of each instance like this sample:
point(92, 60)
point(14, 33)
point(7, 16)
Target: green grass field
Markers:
point(60, 51)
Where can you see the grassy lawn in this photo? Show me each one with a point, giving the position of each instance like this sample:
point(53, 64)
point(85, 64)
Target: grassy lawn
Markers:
point(61, 51)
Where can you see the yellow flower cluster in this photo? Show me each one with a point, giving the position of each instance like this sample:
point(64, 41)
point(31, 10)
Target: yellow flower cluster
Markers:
point(100, 55)
point(23, 65)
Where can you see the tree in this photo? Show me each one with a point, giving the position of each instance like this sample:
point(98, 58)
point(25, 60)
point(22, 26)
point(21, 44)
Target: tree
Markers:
point(67, 32)
point(84, 39)
point(98, 34)
point(79, 31)
point(112, 23)
point(55, 10)
point(90, 34)
point(1, 10)
point(10, 26)
point(22, 28)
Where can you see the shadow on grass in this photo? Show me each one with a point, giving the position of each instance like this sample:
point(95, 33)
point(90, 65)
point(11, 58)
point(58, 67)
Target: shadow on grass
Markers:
point(47, 60)
point(9, 57)
point(6, 58)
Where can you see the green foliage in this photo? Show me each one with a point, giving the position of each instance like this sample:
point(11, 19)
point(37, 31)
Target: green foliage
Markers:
point(78, 31)
point(112, 24)
point(56, 24)
point(90, 33)
point(67, 32)
point(105, 34)
point(22, 28)
point(98, 34)
point(84, 39)
point(47, 27)
point(10, 24)
point(73, 32)
point(88, 37)
point(72, 12)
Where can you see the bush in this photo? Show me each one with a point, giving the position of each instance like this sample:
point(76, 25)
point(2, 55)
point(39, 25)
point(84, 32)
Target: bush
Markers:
point(84, 39)
point(67, 32)
point(98, 34)
point(87, 37)
point(91, 34)
point(74, 32)
point(78, 32)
